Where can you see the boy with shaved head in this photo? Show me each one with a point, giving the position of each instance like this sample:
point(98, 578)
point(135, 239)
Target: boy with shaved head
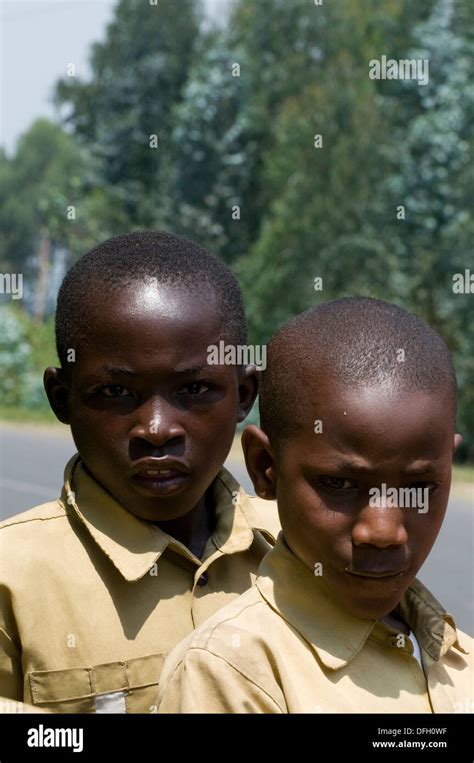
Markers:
point(358, 403)
point(150, 534)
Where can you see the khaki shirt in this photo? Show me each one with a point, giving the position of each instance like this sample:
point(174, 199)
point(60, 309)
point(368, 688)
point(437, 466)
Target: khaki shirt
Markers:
point(12, 706)
point(285, 646)
point(92, 598)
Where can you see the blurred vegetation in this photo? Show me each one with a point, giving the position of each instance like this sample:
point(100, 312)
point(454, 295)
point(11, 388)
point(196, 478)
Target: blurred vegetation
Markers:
point(25, 350)
point(236, 166)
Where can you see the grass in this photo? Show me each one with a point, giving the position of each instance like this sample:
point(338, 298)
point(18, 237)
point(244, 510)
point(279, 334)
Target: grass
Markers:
point(463, 473)
point(27, 415)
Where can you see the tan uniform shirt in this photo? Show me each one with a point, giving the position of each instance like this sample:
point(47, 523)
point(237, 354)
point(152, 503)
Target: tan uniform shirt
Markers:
point(285, 646)
point(12, 706)
point(92, 599)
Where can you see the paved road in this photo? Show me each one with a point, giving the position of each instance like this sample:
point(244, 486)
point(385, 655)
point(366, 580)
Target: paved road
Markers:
point(31, 469)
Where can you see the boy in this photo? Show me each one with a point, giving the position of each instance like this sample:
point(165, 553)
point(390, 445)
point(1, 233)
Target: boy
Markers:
point(358, 413)
point(151, 535)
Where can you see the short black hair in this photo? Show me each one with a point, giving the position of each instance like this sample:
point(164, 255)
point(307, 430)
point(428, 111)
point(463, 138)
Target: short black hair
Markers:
point(133, 258)
point(353, 340)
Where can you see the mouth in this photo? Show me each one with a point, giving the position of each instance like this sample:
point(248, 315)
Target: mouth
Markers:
point(160, 476)
point(375, 574)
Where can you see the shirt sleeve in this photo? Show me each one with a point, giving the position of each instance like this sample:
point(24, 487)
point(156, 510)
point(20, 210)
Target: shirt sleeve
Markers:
point(206, 683)
point(11, 673)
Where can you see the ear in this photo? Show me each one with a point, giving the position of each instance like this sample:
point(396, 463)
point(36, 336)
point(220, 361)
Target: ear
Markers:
point(248, 391)
point(57, 390)
point(259, 461)
point(458, 438)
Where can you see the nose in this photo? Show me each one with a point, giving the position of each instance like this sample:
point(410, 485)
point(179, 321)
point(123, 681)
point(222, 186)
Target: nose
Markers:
point(380, 526)
point(157, 423)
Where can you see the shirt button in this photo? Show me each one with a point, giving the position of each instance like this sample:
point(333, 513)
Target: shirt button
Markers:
point(399, 641)
point(203, 579)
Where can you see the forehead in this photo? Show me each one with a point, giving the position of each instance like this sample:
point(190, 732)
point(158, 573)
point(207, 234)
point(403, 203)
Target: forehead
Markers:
point(164, 324)
point(380, 422)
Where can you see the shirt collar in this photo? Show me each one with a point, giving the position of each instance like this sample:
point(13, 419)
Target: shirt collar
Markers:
point(336, 636)
point(134, 545)
point(235, 517)
point(433, 627)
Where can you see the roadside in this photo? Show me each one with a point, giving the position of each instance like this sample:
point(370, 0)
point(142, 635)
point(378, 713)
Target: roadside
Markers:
point(42, 421)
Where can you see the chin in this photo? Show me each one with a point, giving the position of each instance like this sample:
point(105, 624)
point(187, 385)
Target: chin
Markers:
point(157, 515)
point(371, 609)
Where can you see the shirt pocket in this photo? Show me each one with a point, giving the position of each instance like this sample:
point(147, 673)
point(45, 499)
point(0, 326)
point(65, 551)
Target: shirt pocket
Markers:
point(116, 687)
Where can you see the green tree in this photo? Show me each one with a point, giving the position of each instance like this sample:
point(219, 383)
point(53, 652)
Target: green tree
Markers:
point(213, 160)
point(138, 74)
point(42, 207)
point(434, 181)
point(327, 158)
point(22, 360)
point(333, 210)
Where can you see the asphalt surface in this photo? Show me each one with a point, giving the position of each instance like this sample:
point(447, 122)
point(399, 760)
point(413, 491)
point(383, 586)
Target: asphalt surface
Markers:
point(32, 462)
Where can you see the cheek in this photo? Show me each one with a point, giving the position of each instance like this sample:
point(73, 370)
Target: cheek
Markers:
point(309, 525)
point(210, 445)
point(423, 528)
point(215, 424)
point(98, 433)
point(98, 425)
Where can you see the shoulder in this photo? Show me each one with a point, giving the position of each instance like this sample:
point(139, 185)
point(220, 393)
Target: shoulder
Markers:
point(241, 614)
point(466, 644)
point(28, 538)
point(262, 515)
point(227, 665)
point(458, 660)
point(235, 634)
point(22, 522)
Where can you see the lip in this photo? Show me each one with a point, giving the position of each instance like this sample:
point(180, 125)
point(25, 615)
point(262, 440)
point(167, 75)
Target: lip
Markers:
point(160, 476)
point(375, 574)
point(142, 467)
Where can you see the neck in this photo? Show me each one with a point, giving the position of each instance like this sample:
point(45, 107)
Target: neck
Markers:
point(393, 620)
point(195, 528)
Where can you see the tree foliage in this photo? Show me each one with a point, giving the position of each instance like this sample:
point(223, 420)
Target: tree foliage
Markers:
point(138, 74)
point(276, 150)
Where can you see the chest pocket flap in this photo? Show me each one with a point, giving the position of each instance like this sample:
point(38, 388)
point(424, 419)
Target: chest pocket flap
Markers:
point(77, 688)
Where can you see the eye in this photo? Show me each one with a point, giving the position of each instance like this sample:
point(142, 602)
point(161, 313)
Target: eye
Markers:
point(115, 390)
point(336, 484)
point(194, 388)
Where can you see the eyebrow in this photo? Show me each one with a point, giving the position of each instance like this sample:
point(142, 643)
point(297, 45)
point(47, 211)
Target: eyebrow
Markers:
point(350, 466)
point(123, 371)
point(191, 369)
point(425, 466)
point(115, 371)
